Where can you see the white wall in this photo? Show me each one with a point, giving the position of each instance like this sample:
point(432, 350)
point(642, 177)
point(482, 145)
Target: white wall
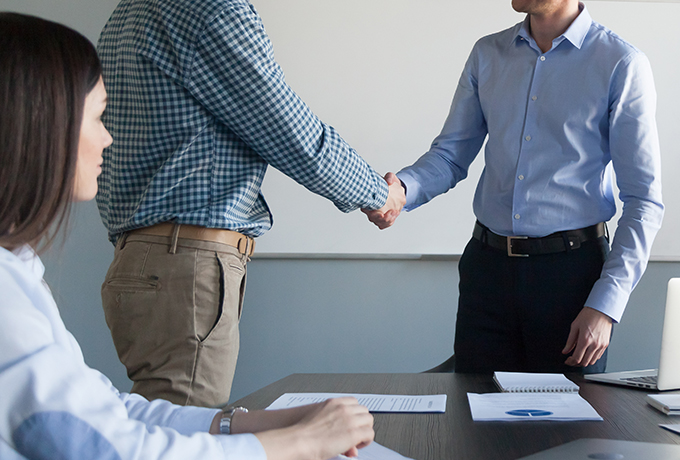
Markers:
point(310, 315)
point(86, 16)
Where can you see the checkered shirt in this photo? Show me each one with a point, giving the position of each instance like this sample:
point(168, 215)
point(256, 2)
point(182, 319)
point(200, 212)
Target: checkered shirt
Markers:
point(198, 108)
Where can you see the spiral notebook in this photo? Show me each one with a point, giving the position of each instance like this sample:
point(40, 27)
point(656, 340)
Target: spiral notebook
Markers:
point(528, 382)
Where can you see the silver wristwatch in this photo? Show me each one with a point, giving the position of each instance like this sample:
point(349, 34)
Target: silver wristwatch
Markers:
point(227, 415)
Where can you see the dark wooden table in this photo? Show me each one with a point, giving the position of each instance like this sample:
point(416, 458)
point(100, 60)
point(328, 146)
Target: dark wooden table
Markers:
point(454, 435)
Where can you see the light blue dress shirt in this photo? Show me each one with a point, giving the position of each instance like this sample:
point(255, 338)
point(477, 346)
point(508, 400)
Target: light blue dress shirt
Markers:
point(54, 406)
point(556, 123)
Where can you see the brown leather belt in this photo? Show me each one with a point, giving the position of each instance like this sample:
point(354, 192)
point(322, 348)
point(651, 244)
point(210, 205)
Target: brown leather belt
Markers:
point(244, 244)
point(523, 246)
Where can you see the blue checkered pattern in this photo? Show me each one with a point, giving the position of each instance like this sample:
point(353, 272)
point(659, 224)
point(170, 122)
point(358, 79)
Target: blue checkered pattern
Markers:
point(198, 108)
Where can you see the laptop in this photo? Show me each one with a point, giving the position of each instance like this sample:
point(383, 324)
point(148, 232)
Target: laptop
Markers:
point(608, 449)
point(667, 376)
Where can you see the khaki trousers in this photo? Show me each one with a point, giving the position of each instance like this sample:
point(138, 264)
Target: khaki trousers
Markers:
point(174, 316)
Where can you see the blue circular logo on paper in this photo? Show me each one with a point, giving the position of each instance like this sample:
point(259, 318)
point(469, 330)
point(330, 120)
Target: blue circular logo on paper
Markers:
point(529, 413)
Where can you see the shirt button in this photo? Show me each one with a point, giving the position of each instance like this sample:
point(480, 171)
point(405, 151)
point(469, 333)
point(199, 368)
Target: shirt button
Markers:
point(517, 216)
point(528, 138)
point(542, 58)
point(520, 177)
point(533, 98)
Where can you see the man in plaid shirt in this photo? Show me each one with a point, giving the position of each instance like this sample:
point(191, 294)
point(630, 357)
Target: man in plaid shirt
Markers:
point(198, 108)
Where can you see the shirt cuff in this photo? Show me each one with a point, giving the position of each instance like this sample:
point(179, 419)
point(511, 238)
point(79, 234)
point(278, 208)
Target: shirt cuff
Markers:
point(411, 187)
point(192, 420)
point(608, 300)
point(376, 200)
point(380, 197)
point(238, 446)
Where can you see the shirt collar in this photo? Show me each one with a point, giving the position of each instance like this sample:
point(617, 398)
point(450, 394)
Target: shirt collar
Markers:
point(576, 33)
point(28, 258)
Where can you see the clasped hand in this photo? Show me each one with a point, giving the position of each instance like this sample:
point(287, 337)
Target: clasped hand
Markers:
point(396, 199)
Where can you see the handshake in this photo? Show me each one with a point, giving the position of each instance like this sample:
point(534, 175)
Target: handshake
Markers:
point(396, 199)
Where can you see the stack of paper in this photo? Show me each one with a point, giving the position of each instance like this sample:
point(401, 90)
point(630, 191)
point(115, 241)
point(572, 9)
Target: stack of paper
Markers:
point(530, 406)
point(668, 404)
point(675, 428)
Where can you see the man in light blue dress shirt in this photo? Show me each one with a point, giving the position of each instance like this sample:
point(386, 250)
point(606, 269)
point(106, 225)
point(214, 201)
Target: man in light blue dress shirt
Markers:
point(563, 101)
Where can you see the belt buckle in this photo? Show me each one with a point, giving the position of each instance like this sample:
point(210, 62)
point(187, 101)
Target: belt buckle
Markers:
point(509, 241)
point(249, 246)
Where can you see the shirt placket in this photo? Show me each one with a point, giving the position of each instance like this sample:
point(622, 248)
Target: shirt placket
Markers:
point(520, 206)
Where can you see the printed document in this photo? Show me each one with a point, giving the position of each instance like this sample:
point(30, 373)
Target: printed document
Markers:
point(375, 451)
point(514, 407)
point(374, 402)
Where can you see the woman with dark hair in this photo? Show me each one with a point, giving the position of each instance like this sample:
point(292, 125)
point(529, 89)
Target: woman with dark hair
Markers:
point(53, 405)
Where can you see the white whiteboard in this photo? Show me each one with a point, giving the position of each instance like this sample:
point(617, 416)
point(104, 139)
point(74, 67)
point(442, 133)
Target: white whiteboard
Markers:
point(383, 73)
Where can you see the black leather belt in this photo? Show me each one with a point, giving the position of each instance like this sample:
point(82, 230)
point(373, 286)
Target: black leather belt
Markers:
point(523, 246)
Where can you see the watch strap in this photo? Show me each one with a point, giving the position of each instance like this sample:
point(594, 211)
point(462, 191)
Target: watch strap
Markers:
point(227, 415)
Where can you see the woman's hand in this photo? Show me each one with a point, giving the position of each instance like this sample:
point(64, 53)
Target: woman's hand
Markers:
point(337, 426)
point(314, 432)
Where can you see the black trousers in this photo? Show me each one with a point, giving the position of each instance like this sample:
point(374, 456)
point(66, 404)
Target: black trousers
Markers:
point(514, 314)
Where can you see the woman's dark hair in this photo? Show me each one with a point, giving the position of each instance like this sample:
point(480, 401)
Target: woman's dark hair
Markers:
point(46, 72)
